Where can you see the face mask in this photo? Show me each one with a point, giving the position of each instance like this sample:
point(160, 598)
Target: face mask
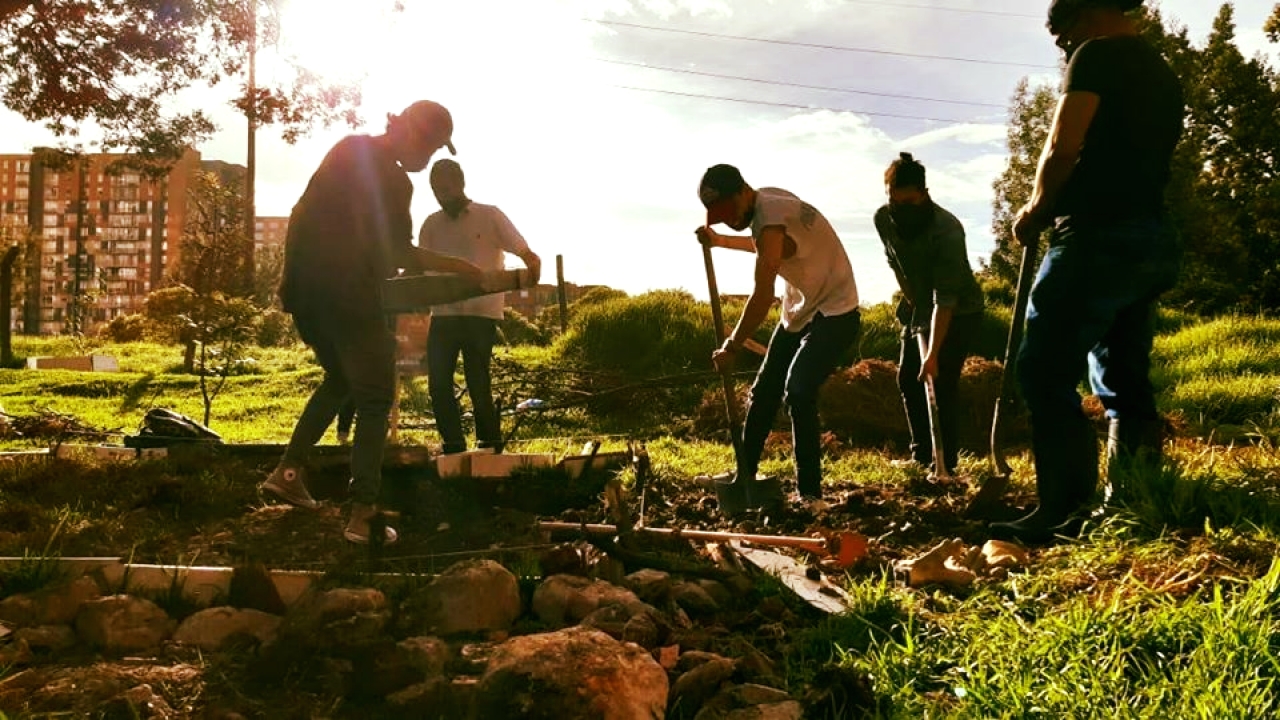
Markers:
point(912, 219)
point(453, 208)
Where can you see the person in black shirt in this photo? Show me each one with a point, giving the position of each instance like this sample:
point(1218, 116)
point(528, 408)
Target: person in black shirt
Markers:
point(1112, 252)
point(940, 299)
point(351, 230)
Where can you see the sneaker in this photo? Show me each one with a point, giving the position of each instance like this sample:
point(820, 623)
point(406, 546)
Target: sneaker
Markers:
point(289, 484)
point(357, 530)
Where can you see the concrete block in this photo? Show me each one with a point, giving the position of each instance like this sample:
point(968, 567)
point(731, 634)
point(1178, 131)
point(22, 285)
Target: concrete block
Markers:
point(495, 466)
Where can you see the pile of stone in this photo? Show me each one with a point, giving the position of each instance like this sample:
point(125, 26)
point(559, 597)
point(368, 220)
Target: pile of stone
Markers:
point(466, 644)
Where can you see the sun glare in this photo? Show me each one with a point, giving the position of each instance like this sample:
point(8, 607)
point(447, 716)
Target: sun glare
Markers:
point(339, 40)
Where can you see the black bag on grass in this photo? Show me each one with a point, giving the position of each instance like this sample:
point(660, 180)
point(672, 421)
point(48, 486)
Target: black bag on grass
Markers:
point(162, 427)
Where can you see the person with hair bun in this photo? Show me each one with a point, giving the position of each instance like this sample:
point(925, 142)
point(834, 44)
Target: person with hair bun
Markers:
point(1100, 190)
point(941, 300)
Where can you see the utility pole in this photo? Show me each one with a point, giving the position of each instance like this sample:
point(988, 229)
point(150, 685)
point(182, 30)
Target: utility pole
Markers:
point(560, 294)
point(251, 159)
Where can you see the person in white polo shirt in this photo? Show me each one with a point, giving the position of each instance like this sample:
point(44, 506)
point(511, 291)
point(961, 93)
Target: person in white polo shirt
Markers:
point(820, 319)
point(481, 234)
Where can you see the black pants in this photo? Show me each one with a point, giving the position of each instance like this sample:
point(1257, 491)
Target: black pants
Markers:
point(359, 366)
point(473, 337)
point(955, 348)
point(795, 367)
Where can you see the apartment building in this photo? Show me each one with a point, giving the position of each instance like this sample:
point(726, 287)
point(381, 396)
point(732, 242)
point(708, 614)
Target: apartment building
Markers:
point(94, 228)
point(269, 231)
point(531, 301)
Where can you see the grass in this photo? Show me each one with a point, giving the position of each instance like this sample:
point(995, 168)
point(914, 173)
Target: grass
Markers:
point(1170, 608)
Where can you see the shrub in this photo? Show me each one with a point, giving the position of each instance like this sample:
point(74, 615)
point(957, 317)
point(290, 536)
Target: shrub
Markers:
point(517, 330)
point(125, 328)
point(275, 329)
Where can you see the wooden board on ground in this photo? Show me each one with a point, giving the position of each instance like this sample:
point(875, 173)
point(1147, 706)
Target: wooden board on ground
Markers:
point(821, 593)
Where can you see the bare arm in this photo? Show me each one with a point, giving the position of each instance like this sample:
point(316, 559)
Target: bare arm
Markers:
point(533, 262)
point(710, 237)
point(1071, 122)
point(768, 258)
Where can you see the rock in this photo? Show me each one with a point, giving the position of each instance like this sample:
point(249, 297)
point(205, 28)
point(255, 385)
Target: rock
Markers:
point(469, 597)
point(47, 638)
point(575, 673)
point(56, 605)
point(15, 653)
point(567, 599)
point(693, 599)
point(643, 631)
point(693, 658)
point(772, 608)
point(695, 687)
point(210, 629)
point(139, 702)
point(427, 655)
point(252, 589)
point(123, 623)
point(751, 702)
point(562, 560)
point(718, 592)
point(651, 586)
point(473, 658)
point(610, 619)
point(338, 620)
point(430, 699)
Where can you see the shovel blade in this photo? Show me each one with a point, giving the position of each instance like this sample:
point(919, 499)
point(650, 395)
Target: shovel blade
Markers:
point(739, 497)
point(988, 497)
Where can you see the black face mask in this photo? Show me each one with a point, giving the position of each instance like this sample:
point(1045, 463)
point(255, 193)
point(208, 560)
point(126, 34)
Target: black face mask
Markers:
point(912, 219)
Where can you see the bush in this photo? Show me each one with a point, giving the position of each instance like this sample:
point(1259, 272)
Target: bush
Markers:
point(517, 330)
point(126, 328)
point(275, 329)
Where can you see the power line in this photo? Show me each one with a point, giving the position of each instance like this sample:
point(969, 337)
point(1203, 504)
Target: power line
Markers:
point(797, 85)
point(970, 11)
point(818, 46)
point(702, 96)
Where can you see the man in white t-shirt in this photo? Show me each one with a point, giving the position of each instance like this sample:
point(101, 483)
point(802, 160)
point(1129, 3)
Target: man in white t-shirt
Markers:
point(820, 319)
point(480, 234)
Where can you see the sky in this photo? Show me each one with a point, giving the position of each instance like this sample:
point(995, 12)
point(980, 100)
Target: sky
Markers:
point(564, 120)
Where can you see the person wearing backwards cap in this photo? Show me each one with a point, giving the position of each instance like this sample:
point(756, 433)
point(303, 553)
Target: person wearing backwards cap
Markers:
point(819, 321)
point(1112, 252)
point(350, 230)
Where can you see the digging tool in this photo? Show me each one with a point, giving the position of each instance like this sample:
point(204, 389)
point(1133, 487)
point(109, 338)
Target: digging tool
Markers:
point(940, 471)
point(845, 547)
point(995, 485)
point(416, 293)
point(738, 495)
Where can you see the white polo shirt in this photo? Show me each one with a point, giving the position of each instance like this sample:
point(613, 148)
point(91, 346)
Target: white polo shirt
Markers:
point(481, 234)
point(819, 277)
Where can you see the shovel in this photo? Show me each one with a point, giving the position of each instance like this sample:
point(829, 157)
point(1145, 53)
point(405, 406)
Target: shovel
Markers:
point(739, 495)
point(993, 487)
point(940, 471)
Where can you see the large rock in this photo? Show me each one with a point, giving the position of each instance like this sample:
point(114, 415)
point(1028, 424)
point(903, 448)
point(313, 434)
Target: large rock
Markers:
point(56, 605)
point(575, 673)
point(123, 623)
point(339, 620)
point(694, 688)
point(651, 586)
point(389, 667)
point(694, 599)
point(469, 597)
point(567, 599)
point(47, 638)
point(210, 629)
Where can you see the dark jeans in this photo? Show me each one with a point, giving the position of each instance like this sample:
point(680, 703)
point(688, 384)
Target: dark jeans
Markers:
point(346, 416)
point(955, 348)
point(795, 367)
point(1092, 307)
point(473, 337)
point(358, 364)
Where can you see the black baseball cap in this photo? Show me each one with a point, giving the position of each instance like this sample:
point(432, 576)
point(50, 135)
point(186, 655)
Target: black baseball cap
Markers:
point(720, 183)
point(1062, 13)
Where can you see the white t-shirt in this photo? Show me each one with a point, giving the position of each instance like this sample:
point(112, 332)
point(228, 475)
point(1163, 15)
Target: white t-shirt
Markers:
point(481, 234)
point(819, 277)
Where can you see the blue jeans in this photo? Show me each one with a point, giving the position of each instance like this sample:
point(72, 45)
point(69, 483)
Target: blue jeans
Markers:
point(795, 366)
point(473, 338)
point(1092, 308)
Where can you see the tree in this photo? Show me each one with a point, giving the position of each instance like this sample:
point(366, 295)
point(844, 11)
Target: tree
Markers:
point(117, 64)
point(1031, 113)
